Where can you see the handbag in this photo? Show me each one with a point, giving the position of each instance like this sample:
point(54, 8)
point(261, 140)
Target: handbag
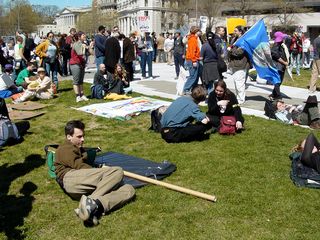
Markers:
point(227, 125)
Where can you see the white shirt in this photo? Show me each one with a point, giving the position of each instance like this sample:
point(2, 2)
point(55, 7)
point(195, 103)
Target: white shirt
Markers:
point(306, 45)
point(168, 44)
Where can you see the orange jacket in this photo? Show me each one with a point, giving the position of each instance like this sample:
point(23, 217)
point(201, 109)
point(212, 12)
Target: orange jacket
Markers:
point(193, 50)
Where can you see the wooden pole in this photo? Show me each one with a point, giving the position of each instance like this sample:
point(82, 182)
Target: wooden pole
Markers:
point(171, 186)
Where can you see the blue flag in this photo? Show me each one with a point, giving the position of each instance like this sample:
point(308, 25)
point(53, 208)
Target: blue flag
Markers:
point(256, 43)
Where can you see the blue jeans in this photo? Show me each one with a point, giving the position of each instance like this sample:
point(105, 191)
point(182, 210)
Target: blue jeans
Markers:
point(193, 78)
point(178, 62)
point(53, 68)
point(146, 58)
point(99, 60)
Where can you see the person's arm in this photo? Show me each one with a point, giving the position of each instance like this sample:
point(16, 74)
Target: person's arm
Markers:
point(44, 83)
point(213, 107)
point(283, 117)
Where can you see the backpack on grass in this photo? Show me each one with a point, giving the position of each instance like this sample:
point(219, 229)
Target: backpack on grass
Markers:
point(8, 131)
point(156, 116)
point(270, 109)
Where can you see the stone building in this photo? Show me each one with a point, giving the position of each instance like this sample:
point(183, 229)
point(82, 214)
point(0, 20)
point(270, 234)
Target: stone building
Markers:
point(163, 14)
point(68, 18)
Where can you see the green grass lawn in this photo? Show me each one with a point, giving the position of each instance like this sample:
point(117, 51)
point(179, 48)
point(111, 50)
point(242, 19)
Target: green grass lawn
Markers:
point(301, 81)
point(248, 173)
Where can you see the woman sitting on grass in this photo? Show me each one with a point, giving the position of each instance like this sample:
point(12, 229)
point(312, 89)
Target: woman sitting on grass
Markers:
point(119, 83)
point(223, 102)
point(177, 120)
point(310, 155)
point(40, 88)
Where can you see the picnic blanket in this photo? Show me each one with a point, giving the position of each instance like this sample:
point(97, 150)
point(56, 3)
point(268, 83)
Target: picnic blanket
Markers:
point(136, 165)
point(302, 175)
point(124, 109)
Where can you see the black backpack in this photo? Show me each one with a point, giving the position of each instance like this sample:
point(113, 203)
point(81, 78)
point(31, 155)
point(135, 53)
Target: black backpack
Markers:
point(270, 109)
point(156, 116)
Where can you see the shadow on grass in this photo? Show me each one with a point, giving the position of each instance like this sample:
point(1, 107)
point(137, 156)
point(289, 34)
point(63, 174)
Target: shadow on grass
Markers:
point(14, 208)
point(64, 90)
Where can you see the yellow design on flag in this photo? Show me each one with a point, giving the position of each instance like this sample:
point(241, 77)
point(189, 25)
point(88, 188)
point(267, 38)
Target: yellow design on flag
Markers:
point(233, 22)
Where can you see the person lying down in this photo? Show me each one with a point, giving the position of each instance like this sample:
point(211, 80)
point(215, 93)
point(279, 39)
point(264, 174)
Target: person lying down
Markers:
point(298, 115)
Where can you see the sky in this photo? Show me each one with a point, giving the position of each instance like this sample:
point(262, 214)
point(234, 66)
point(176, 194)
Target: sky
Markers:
point(62, 3)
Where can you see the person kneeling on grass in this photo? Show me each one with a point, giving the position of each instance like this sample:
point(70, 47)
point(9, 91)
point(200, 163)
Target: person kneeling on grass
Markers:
point(99, 189)
point(177, 120)
point(223, 102)
point(310, 148)
point(23, 76)
point(292, 114)
point(40, 88)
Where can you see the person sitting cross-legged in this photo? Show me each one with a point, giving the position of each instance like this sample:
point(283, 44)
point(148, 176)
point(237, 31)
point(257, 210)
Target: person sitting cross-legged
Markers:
point(291, 114)
point(177, 120)
point(40, 88)
point(223, 102)
point(100, 190)
point(101, 82)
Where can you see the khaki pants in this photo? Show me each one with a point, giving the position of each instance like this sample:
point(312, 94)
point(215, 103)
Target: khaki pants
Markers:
point(314, 75)
point(99, 183)
point(40, 94)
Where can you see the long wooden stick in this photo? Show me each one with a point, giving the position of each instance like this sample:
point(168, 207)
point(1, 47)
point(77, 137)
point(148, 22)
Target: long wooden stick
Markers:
point(171, 186)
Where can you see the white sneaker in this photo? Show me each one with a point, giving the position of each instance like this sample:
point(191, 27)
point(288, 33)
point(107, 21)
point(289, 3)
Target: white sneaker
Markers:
point(79, 99)
point(150, 78)
point(84, 98)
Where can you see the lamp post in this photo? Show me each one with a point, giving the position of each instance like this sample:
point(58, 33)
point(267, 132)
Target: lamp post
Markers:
point(196, 12)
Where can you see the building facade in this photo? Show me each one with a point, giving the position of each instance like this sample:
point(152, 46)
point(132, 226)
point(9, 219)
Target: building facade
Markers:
point(163, 15)
point(68, 18)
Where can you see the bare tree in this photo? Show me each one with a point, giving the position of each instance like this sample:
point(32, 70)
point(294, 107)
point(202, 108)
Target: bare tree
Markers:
point(286, 11)
point(46, 12)
point(211, 9)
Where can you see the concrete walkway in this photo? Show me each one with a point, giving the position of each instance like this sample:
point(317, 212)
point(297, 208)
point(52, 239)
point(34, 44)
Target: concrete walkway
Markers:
point(164, 85)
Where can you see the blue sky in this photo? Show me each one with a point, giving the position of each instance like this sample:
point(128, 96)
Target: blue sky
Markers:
point(62, 3)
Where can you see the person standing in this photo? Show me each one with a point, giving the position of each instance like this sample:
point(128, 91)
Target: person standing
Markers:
point(239, 65)
point(168, 49)
point(64, 53)
point(70, 40)
point(221, 44)
point(77, 65)
point(178, 53)
point(315, 65)
point(209, 56)
point(295, 50)
point(99, 45)
point(48, 53)
point(146, 46)
point(280, 58)
point(128, 57)
point(160, 48)
point(112, 51)
point(192, 60)
point(306, 52)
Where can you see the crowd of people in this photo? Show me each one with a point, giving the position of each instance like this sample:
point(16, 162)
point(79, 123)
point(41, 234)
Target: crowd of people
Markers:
point(31, 68)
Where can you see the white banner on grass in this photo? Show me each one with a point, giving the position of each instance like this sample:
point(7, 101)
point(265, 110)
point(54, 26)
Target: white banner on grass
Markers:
point(124, 109)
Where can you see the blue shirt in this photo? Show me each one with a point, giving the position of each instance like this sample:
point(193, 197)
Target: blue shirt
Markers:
point(181, 113)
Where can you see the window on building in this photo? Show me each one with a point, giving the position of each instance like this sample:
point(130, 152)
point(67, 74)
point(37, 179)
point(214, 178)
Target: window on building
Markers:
point(170, 25)
point(146, 3)
point(163, 14)
point(146, 13)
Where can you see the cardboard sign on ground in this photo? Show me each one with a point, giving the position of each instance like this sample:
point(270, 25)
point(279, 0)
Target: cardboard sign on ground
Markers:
point(27, 106)
point(23, 115)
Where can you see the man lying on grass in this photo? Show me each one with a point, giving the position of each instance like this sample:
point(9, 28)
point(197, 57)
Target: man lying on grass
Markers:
point(78, 179)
